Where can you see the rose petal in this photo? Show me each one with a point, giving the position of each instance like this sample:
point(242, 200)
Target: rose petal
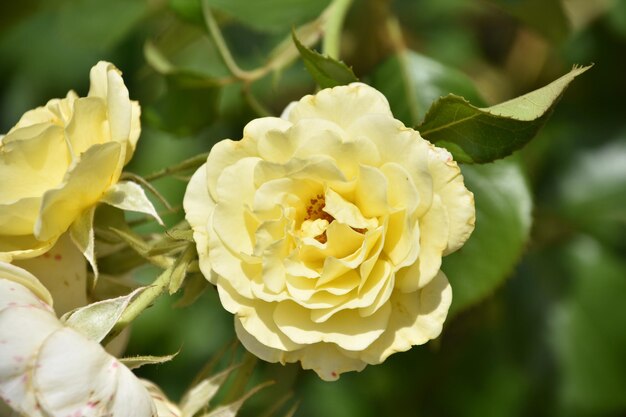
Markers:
point(457, 200)
point(327, 360)
point(416, 318)
point(342, 105)
point(346, 328)
point(97, 169)
point(30, 166)
point(198, 206)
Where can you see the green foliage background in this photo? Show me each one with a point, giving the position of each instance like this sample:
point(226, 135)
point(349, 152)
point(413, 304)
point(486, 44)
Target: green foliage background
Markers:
point(538, 327)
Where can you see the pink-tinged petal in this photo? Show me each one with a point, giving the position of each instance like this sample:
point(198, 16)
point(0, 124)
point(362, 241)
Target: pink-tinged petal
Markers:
point(23, 328)
point(63, 271)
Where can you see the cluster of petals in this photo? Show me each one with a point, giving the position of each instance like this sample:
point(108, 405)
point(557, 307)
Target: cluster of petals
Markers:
point(59, 160)
point(324, 230)
point(49, 369)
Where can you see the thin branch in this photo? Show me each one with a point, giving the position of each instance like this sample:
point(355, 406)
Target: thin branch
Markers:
point(191, 163)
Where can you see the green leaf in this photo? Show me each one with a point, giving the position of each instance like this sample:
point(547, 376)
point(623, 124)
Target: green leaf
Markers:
point(137, 244)
point(592, 193)
point(203, 392)
point(15, 12)
point(108, 23)
point(188, 105)
point(135, 362)
point(179, 270)
point(588, 332)
point(412, 82)
point(270, 15)
point(195, 285)
point(107, 216)
point(545, 16)
point(326, 71)
point(189, 10)
point(231, 409)
point(96, 320)
point(181, 234)
point(503, 220)
point(165, 246)
point(479, 135)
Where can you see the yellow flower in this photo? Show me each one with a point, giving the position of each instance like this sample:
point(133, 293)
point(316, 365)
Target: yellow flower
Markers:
point(62, 159)
point(324, 230)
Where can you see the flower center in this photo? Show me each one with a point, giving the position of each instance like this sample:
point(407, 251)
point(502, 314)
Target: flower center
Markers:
point(315, 209)
point(316, 220)
point(314, 212)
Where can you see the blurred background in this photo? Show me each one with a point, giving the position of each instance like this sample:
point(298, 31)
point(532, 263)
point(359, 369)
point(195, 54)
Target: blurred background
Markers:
point(540, 328)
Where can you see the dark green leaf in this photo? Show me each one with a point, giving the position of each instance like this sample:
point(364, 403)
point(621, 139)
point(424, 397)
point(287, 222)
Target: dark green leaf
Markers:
point(270, 15)
point(189, 10)
point(592, 193)
point(412, 82)
point(189, 104)
point(107, 217)
point(479, 135)
point(108, 23)
point(326, 71)
point(589, 332)
point(545, 16)
point(195, 285)
point(15, 12)
point(503, 219)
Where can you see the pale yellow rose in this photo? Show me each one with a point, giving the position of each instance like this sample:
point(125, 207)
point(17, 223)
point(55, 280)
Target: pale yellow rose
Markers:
point(59, 160)
point(324, 230)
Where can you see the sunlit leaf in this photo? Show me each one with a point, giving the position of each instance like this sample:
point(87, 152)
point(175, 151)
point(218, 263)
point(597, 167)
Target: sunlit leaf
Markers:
point(503, 219)
point(134, 362)
point(95, 320)
point(201, 394)
point(130, 196)
point(482, 135)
